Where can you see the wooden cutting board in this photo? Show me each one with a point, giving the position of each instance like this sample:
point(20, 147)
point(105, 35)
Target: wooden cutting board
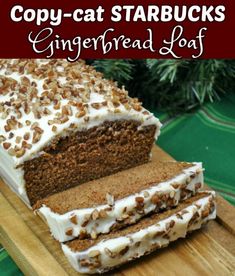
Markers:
point(208, 251)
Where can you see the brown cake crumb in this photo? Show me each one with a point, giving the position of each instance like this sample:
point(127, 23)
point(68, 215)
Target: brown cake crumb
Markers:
point(80, 245)
point(87, 155)
point(119, 185)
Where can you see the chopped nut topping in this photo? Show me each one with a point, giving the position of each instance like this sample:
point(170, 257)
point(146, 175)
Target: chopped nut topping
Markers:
point(172, 194)
point(205, 213)
point(94, 253)
point(155, 199)
point(146, 194)
point(139, 199)
point(73, 219)
point(137, 244)
point(6, 145)
point(85, 263)
point(178, 215)
point(80, 114)
point(96, 105)
point(69, 232)
point(36, 137)
point(109, 253)
point(95, 214)
point(110, 199)
point(54, 129)
point(26, 145)
point(86, 220)
point(198, 186)
point(123, 251)
point(18, 139)
point(20, 152)
point(26, 136)
point(175, 185)
point(93, 234)
point(102, 214)
point(170, 224)
point(158, 234)
point(2, 138)
point(83, 234)
point(125, 216)
point(12, 152)
point(139, 204)
point(11, 135)
point(34, 125)
point(27, 122)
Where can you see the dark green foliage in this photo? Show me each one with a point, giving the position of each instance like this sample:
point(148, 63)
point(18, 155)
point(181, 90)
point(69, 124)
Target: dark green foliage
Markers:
point(172, 85)
point(119, 70)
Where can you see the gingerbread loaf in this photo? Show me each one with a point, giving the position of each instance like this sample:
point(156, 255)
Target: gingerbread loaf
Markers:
point(149, 234)
point(63, 124)
point(112, 202)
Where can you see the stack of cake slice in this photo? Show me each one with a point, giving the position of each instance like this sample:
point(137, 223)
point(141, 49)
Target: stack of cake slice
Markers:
point(110, 221)
point(150, 233)
point(77, 149)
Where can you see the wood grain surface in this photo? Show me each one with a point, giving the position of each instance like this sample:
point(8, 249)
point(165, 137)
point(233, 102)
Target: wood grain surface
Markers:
point(209, 251)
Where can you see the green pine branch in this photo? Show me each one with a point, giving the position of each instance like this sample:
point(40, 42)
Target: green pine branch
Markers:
point(119, 70)
point(172, 85)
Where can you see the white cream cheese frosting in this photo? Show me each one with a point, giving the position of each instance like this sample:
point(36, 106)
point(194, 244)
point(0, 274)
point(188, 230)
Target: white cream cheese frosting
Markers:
point(44, 99)
point(103, 218)
point(112, 252)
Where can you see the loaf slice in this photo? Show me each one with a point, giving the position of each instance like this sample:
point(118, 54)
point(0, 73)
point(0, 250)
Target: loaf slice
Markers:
point(149, 234)
point(110, 203)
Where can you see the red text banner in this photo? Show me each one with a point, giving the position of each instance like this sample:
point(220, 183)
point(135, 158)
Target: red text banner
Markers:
point(117, 29)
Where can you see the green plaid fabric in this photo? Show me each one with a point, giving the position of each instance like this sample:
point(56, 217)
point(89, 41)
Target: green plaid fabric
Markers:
point(207, 135)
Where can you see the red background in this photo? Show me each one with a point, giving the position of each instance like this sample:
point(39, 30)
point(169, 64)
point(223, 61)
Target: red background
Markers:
point(218, 42)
